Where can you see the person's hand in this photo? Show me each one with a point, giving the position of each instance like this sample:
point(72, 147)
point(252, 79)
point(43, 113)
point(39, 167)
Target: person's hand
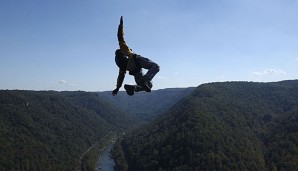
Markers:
point(114, 93)
point(120, 33)
point(121, 21)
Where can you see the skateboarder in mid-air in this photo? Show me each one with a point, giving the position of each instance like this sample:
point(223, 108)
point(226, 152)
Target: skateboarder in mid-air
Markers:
point(126, 60)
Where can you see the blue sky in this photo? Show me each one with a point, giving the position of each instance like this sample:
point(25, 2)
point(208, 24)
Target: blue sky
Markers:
point(70, 44)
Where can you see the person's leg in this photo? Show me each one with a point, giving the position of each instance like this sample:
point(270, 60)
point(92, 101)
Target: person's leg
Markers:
point(142, 84)
point(152, 67)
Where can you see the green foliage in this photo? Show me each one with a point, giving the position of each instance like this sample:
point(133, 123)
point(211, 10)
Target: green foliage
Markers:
point(281, 142)
point(222, 126)
point(48, 130)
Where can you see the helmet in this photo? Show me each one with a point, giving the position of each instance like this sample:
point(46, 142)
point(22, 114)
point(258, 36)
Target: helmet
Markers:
point(121, 60)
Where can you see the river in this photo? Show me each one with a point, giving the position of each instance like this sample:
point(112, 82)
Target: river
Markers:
point(105, 163)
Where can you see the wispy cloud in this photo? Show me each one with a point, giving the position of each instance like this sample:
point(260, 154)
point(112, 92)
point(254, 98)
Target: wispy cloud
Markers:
point(269, 72)
point(64, 82)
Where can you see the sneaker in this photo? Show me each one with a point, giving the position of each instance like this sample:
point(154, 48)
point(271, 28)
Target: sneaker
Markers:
point(146, 84)
point(130, 89)
point(139, 88)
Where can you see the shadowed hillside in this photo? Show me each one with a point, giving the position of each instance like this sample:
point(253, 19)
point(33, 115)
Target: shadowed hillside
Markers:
point(147, 106)
point(48, 130)
point(220, 126)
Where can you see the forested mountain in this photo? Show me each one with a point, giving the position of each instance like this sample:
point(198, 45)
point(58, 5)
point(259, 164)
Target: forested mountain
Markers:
point(48, 130)
point(147, 106)
point(220, 126)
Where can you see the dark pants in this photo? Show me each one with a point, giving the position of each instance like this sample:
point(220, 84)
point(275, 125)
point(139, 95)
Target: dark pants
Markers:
point(152, 68)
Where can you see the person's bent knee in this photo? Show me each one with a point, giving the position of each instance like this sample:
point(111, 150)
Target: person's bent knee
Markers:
point(157, 68)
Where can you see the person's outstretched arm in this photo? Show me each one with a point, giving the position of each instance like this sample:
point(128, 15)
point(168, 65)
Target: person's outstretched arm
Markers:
point(123, 46)
point(120, 80)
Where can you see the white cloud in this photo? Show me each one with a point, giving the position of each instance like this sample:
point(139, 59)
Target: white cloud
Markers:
point(274, 72)
point(269, 72)
point(257, 73)
point(62, 82)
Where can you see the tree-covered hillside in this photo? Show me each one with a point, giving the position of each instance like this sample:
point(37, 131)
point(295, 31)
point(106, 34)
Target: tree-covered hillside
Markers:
point(220, 126)
point(48, 130)
point(147, 106)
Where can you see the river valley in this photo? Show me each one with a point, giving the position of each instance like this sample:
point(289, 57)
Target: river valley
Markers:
point(105, 163)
